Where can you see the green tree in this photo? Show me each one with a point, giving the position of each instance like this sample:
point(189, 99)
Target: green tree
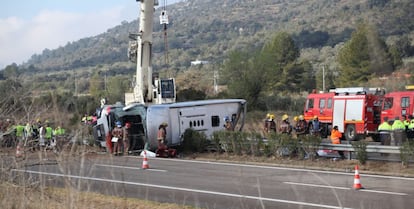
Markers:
point(245, 77)
point(362, 57)
point(280, 55)
point(116, 87)
point(305, 78)
point(11, 71)
point(282, 49)
point(396, 55)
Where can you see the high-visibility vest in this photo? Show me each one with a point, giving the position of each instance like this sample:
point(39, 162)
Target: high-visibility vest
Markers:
point(398, 125)
point(49, 132)
point(384, 127)
point(19, 130)
point(336, 136)
point(411, 125)
point(59, 131)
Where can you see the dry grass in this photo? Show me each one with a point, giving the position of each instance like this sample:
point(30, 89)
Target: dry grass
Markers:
point(13, 196)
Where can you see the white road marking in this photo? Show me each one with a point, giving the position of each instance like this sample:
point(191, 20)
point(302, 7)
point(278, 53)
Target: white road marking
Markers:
point(286, 168)
point(127, 167)
point(344, 188)
point(185, 189)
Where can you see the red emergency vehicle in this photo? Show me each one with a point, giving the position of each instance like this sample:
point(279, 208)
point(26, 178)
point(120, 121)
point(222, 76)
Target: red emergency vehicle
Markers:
point(400, 103)
point(356, 111)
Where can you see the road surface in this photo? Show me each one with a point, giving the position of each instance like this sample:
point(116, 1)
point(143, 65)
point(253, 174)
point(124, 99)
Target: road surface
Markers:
point(223, 185)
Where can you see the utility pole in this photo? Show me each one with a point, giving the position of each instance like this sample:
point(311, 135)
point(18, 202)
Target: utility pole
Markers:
point(323, 78)
point(215, 81)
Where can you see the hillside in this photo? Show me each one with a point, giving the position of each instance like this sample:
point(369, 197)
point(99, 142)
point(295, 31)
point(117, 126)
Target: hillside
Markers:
point(209, 29)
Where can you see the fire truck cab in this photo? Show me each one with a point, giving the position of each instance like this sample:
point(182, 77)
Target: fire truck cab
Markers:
point(398, 104)
point(356, 111)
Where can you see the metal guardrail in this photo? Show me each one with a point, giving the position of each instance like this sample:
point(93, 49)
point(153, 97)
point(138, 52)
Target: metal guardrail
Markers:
point(370, 148)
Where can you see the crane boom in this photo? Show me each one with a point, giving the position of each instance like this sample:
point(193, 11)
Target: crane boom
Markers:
point(147, 88)
point(143, 85)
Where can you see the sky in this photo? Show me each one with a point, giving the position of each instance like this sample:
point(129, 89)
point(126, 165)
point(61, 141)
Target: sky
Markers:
point(28, 27)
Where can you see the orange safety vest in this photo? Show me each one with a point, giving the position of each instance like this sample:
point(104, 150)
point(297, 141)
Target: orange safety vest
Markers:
point(336, 136)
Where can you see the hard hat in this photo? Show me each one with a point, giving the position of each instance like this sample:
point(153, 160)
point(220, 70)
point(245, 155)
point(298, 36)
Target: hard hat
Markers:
point(300, 117)
point(268, 115)
point(164, 124)
point(315, 117)
point(226, 118)
point(118, 123)
point(296, 118)
point(285, 117)
point(272, 116)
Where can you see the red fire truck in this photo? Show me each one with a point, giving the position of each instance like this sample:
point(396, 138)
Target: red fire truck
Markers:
point(356, 111)
point(398, 104)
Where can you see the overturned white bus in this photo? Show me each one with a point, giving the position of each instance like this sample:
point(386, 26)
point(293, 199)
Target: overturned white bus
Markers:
point(205, 116)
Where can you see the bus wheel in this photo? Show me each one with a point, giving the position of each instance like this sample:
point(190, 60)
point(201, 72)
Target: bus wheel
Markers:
point(350, 133)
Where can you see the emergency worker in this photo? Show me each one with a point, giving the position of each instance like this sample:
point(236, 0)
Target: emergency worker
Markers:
point(20, 132)
point(42, 132)
point(266, 124)
point(301, 126)
point(336, 139)
point(163, 150)
point(410, 130)
point(48, 134)
point(84, 119)
point(296, 119)
point(285, 127)
point(227, 124)
point(272, 123)
point(28, 133)
point(316, 128)
point(398, 131)
point(385, 130)
point(59, 131)
point(126, 137)
point(406, 121)
point(36, 128)
point(58, 134)
point(117, 136)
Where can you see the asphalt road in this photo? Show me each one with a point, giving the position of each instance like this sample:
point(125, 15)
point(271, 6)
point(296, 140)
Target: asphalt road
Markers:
point(223, 185)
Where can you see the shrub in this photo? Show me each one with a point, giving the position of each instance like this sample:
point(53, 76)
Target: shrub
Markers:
point(288, 145)
point(194, 141)
point(406, 152)
point(361, 151)
point(310, 145)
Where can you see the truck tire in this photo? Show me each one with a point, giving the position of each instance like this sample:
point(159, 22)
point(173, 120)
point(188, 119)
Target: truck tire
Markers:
point(350, 133)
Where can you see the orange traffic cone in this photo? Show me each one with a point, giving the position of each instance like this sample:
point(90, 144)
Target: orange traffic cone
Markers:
point(357, 182)
point(19, 151)
point(145, 162)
